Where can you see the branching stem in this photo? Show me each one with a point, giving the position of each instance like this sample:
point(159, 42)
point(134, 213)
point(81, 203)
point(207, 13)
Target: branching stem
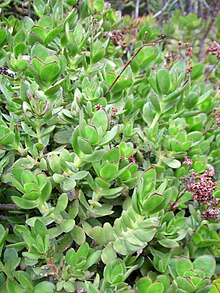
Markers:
point(152, 44)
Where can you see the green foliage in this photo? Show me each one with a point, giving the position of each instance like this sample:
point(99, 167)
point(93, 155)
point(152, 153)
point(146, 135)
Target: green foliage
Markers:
point(98, 157)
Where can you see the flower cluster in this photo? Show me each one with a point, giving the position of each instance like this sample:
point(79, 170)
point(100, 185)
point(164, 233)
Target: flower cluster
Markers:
point(189, 52)
point(202, 187)
point(214, 49)
point(188, 161)
point(117, 37)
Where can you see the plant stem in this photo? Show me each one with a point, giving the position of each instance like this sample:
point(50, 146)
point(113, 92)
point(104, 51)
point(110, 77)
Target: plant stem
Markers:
point(210, 71)
point(152, 44)
point(155, 120)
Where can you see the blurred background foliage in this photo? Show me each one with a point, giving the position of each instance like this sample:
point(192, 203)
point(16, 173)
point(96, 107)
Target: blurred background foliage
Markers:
point(193, 21)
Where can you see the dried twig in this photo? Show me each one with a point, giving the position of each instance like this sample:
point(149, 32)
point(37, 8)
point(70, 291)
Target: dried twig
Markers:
point(215, 11)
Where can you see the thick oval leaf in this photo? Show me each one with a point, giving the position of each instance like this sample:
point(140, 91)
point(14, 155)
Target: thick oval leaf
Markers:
point(84, 145)
point(44, 286)
point(91, 134)
point(206, 263)
point(100, 119)
point(67, 225)
point(49, 71)
point(183, 264)
point(153, 202)
point(24, 203)
point(108, 171)
point(39, 51)
point(3, 36)
point(172, 163)
point(163, 81)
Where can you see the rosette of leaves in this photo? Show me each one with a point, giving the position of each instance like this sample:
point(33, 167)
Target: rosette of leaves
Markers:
point(64, 172)
point(205, 236)
point(16, 280)
point(115, 167)
point(172, 229)
point(137, 225)
point(35, 189)
point(192, 276)
point(115, 273)
point(149, 285)
point(77, 266)
point(37, 240)
point(46, 68)
point(96, 134)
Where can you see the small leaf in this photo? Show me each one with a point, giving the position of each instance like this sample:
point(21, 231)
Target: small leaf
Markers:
point(42, 180)
point(163, 81)
point(13, 286)
point(24, 203)
point(109, 136)
point(152, 202)
point(68, 184)
point(78, 33)
point(185, 283)
point(27, 129)
point(108, 254)
point(90, 133)
point(172, 163)
point(84, 145)
point(102, 183)
point(206, 263)
point(27, 176)
point(3, 36)
point(53, 33)
point(49, 71)
point(98, 56)
point(121, 84)
point(155, 102)
point(143, 284)
point(93, 258)
point(191, 100)
point(44, 286)
point(156, 287)
point(100, 119)
point(169, 243)
point(71, 257)
point(32, 195)
point(40, 228)
point(99, 5)
point(67, 225)
point(183, 264)
point(39, 51)
point(108, 171)
point(78, 235)
point(113, 155)
point(62, 202)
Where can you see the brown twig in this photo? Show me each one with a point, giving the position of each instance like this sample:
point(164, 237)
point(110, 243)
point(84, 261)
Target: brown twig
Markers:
point(154, 43)
point(215, 11)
